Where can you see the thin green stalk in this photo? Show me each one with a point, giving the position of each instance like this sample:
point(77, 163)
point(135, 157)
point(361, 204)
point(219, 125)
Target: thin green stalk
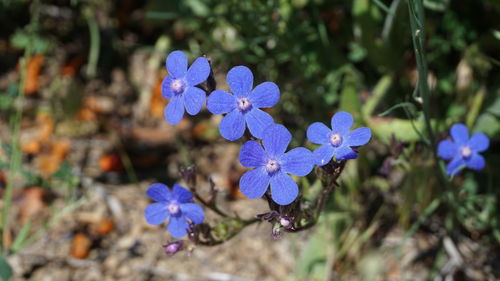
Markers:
point(15, 122)
point(95, 42)
point(417, 21)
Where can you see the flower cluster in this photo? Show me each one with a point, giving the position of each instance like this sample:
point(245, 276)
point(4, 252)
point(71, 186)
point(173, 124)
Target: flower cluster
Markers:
point(272, 166)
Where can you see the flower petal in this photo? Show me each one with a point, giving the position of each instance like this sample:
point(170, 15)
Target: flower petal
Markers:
point(181, 194)
point(240, 80)
point(220, 102)
point(257, 121)
point(166, 89)
point(479, 142)
point(455, 166)
point(298, 161)
point(323, 154)
point(254, 183)
point(341, 122)
point(447, 149)
point(358, 137)
point(193, 100)
point(156, 213)
point(177, 226)
point(232, 125)
point(283, 189)
point(198, 72)
point(159, 192)
point(460, 133)
point(252, 154)
point(276, 139)
point(318, 133)
point(475, 162)
point(177, 64)
point(193, 211)
point(344, 153)
point(265, 94)
point(175, 110)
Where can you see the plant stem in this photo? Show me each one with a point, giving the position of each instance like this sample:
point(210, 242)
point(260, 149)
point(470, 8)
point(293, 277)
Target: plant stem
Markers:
point(15, 122)
point(417, 21)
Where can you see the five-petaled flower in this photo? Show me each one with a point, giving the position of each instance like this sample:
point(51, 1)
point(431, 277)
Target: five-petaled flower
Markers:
point(338, 141)
point(244, 106)
point(179, 85)
point(462, 151)
point(272, 164)
point(177, 204)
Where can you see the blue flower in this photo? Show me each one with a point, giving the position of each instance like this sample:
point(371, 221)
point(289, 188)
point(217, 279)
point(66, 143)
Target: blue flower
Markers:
point(177, 204)
point(179, 86)
point(338, 141)
point(462, 151)
point(272, 164)
point(243, 106)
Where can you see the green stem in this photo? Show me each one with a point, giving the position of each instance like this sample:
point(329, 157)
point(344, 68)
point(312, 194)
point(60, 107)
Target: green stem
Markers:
point(417, 20)
point(15, 122)
point(95, 42)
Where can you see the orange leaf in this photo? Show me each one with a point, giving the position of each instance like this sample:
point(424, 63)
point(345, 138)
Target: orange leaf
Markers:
point(158, 103)
point(80, 246)
point(31, 147)
point(32, 74)
point(32, 203)
point(48, 164)
point(110, 163)
point(103, 227)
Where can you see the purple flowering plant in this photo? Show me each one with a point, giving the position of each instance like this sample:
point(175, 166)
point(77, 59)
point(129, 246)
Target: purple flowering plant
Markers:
point(337, 142)
point(243, 106)
point(271, 165)
point(180, 86)
point(176, 205)
point(274, 172)
point(462, 150)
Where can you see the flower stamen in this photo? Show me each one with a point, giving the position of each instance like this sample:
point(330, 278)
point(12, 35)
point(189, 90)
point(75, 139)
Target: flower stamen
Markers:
point(466, 151)
point(336, 139)
point(178, 86)
point(244, 104)
point(272, 166)
point(173, 208)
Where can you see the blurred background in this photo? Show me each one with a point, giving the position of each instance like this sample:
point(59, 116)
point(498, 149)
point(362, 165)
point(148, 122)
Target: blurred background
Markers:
point(83, 136)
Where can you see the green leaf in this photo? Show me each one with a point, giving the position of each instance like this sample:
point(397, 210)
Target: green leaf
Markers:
point(488, 124)
point(21, 237)
point(404, 130)
point(313, 258)
point(5, 269)
point(349, 98)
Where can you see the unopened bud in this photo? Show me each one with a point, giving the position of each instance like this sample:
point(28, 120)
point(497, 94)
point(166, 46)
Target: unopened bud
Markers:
point(286, 222)
point(173, 247)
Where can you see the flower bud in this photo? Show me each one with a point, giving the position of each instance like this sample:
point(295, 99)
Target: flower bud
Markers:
point(173, 247)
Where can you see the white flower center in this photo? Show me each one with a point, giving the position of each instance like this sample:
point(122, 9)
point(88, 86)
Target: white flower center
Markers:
point(244, 104)
point(466, 151)
point(173, 208)
point(336, 139)
point(177, 86)
point(272, 166)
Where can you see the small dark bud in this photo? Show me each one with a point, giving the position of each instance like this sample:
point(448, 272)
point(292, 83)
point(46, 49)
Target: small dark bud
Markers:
point(387, 166)
point(173, 247)
point(189, 175)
